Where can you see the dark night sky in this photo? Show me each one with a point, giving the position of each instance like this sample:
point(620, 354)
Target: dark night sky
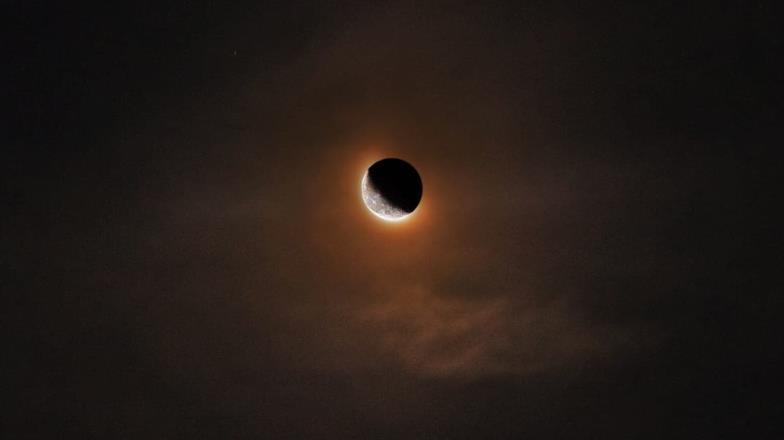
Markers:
point(185, 253)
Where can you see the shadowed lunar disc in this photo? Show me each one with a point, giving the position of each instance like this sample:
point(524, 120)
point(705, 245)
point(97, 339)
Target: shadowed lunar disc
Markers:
point(391, 189)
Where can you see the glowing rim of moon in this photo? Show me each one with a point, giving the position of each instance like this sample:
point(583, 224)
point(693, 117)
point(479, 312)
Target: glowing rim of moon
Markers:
point(367, 199)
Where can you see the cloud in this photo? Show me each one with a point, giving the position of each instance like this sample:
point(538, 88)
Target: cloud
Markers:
point(437, 335)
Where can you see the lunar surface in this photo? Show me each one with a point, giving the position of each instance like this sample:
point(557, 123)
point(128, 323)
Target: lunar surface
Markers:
point(376, 203)
point(391, 189)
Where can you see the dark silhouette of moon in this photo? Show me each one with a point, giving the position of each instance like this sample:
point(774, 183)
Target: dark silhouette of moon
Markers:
point(391, 189)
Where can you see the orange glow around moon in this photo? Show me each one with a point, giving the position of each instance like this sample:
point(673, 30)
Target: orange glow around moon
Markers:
point(363, 157)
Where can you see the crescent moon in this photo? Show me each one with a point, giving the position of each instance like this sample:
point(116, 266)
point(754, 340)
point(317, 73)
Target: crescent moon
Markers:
point(378, 205)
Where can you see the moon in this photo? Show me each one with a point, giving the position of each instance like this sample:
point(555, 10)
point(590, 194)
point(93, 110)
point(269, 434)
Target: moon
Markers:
point(391, 189)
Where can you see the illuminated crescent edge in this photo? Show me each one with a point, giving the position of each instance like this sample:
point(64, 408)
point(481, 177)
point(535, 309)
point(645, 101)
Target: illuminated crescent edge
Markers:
point(379, 207)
